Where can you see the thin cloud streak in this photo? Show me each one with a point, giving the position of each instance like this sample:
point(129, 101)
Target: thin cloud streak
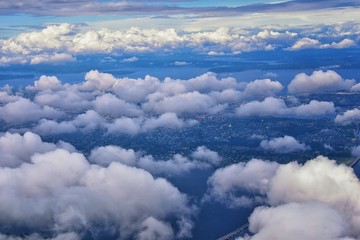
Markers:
point(71, 8)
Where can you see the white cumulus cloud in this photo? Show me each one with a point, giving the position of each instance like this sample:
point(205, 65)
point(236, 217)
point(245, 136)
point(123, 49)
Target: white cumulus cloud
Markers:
point(201, 158)
point(320, 196)
point(349, 116)
point(277, 107)
point(252, 177)
point(286, 144)
point(318, 82)
point(306, 43)
point(24, 110)
point(59, 192)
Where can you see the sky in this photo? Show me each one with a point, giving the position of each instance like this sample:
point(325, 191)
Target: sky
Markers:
point(192, 14)
point(110, 70)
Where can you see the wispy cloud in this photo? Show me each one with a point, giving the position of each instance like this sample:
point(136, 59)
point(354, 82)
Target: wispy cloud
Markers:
point(69, 8)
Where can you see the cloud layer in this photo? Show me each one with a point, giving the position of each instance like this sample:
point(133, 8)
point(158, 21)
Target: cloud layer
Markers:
point(125, 105)
point(134, 106)
point(57, 44)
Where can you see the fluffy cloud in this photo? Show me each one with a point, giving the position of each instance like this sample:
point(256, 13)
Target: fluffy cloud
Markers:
point(57, 58)
point(270, 106)
point(205, 154)
point(87, 121)
point(45, 46)
point(57, 43)
point(319, 220)
point(319, 195)
point(52, 37)
point(6, 97)
point(277, 107)
point(252, 177)
point(356, 87)
point(306, 42)
point(346, 43)
point(201, 158)
point(168, 120)
point(191, 102)
point(208, 82)
point(104, 156)
point(227, 96)
point(177, 165)
point(5, 61)
point(348, 117)
point(318, 82)
point(262, 88)
point(23, 110)
point(127, 89)
point(265, 34)
point(124, 125)
point(134, 126)
point(286, 144)
point(70, 99)
point(264, 40)
point(50, 127)
point(16, 149)
point(47, 82)
point(97, 80)
point(155, 229)
point(314, 108)
point(109, 105)
point(319, 180)
point(68, 197)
